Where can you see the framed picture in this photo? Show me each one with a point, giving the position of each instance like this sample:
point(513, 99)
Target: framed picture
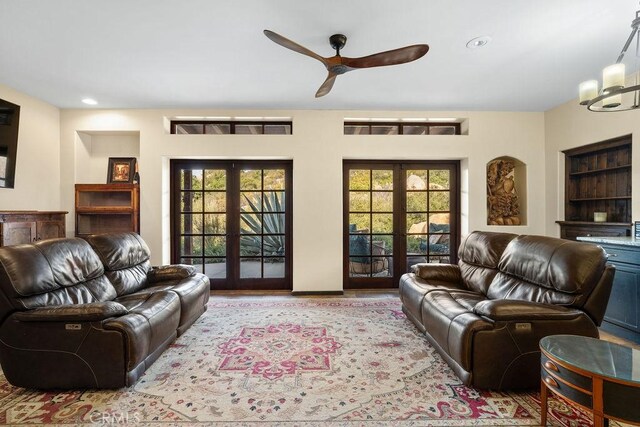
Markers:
point(121, 170)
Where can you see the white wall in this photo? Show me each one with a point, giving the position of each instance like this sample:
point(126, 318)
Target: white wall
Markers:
point(37, 182)
point(317, 148)
point(572, 125)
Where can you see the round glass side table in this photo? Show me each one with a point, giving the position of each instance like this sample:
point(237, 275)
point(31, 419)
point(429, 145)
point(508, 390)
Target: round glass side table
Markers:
point(601, 376)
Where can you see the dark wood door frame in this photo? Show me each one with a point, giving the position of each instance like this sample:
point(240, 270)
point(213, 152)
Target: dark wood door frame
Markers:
point(399, 218)
point(233, 281)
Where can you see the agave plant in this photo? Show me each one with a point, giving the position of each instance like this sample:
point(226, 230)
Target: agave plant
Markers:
point(272, 227)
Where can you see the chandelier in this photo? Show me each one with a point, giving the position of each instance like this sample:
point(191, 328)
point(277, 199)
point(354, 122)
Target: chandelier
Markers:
point(614, 96)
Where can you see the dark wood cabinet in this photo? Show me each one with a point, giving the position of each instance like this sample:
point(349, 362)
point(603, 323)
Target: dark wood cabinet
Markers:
point(18, 227)
point(622, 317)
point(598, 179)
point(107, 208)
point(572, 229)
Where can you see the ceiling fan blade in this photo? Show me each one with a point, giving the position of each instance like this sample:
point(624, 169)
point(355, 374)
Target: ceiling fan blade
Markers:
point(327, 85)
point(285, 42)
point(390, 57)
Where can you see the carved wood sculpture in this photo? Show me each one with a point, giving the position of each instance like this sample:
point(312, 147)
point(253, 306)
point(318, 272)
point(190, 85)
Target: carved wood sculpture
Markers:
point(502, 200)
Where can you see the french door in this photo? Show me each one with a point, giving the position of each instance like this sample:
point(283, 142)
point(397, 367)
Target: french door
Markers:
point(232, 221)
point(397, 214)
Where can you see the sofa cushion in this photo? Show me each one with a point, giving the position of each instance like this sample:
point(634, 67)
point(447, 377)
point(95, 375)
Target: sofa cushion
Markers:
point(544, 269)
point(47, 266)
point(450, 321)
point(151, 322)
point(479, 255)
point(126, 259)
point(73, 313)
point(52, 272)
point(427, 277)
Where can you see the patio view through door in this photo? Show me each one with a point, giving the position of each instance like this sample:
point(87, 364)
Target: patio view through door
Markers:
point(232, 221)
point(397, 214)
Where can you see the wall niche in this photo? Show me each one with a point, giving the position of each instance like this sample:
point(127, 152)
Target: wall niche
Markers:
point(506, 191)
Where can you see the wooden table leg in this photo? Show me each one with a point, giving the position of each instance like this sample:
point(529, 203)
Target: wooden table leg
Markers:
point(598, 418)
point(544, 392)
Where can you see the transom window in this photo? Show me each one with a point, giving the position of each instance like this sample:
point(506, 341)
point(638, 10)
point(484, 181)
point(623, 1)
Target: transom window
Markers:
point(206, 127)
point(395, 128)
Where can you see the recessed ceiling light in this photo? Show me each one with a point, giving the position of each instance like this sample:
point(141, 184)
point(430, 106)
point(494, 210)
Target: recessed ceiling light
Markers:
point(477, 42)
point(90, 101)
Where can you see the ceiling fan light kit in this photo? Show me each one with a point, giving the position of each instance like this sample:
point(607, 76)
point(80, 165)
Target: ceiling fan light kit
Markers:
point(337, 65)
point(614, 96)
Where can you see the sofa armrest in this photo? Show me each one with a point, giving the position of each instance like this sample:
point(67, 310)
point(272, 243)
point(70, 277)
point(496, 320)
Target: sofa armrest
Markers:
point(438, 272)
point(505, 310)
point(73, 313)
point(170, 272)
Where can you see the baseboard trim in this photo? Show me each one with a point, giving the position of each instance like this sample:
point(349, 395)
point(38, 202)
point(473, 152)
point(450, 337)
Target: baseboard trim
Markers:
point(305, 293)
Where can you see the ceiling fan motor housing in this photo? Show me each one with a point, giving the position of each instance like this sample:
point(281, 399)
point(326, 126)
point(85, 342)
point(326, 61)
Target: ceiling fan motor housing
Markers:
point(337, 42)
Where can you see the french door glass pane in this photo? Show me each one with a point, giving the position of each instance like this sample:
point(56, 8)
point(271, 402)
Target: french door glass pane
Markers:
point(216, 268)
point(215, 201)
point(191, 201)
point(274, 201)
point(203, 221)
point(215, 245)
point(382, 201)
point(417, 179)
point(215, 223)
point(191, 245)
point(250, 180)
point(428, 217)
point(439, 201)
point(250, 201)
point(191, 223)
point(215, 179)
point(359, 201)
point(263, 226)
point(250, 268)
point(274, 179)
point(250, 224)
point(370, 222)
point(250, 245)
point(360, 179)
point(273, 267)
point(196, 179)
point(382, 223)
point(439, 179)
point(382, 179)
point(417, 201)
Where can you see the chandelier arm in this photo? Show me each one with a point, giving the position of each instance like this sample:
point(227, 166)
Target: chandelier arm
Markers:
point(592, 107)
point(627, 44)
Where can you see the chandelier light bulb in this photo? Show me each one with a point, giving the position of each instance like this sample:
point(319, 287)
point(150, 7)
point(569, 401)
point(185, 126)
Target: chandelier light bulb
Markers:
point(613, 77)
point(588, 90)
point(612, 101)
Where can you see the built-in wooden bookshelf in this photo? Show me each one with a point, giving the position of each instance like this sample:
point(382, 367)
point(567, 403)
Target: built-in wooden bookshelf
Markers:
point(107, 208)
point(598, 179)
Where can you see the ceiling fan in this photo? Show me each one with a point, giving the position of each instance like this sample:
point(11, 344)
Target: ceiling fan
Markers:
point(337, 64)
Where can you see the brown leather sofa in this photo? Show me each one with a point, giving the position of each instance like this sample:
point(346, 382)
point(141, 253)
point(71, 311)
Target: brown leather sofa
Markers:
point(90, 313)
point(486, 315)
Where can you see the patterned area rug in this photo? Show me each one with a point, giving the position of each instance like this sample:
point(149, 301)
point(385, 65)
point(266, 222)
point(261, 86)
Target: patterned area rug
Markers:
point(284, 361)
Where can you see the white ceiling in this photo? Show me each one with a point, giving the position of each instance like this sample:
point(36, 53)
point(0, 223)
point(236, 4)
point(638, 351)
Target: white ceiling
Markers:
point(213, 54)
